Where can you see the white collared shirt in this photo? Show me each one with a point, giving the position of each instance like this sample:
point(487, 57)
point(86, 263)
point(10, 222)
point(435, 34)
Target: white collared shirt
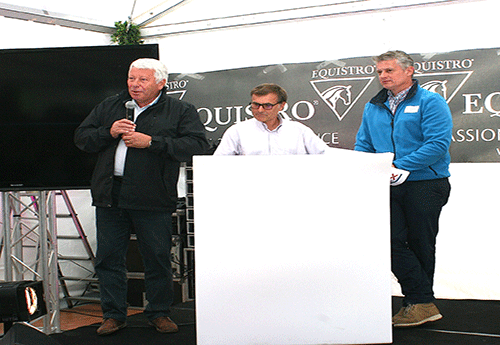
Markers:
point(252, 137)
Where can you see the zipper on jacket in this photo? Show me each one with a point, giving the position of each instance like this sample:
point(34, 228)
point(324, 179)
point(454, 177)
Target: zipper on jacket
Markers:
point(393, 116)
point(392, 138)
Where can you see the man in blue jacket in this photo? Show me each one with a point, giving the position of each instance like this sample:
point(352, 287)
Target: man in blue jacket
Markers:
point(415, 125)
point(134, 184)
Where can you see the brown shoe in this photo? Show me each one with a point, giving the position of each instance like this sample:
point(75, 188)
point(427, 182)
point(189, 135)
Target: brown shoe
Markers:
point(163, 324)
point(110, 326)
point(416, 315)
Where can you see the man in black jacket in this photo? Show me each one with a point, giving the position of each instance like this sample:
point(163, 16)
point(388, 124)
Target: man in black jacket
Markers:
point(134, 184)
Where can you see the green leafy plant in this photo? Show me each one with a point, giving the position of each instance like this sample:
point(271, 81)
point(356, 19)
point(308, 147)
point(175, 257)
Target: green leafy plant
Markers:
point(126, 34)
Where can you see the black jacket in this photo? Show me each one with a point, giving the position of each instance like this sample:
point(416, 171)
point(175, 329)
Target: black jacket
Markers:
point(150, 175)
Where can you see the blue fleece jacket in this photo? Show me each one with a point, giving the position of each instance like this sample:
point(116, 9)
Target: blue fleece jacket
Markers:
point(419, 134)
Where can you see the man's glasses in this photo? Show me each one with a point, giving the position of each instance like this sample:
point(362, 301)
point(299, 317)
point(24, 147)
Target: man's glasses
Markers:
point(266, 106)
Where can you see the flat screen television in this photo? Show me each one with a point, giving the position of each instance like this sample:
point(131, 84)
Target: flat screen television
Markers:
point(44, 95)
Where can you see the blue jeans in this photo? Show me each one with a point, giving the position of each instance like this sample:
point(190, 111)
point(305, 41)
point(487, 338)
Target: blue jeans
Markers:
point(415, 210)
point(154, 236)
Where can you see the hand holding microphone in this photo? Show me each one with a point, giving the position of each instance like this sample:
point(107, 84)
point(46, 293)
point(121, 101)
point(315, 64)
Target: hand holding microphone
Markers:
point(125, 125)
point(126, 128)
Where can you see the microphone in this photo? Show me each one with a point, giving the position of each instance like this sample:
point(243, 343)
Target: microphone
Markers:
point(129, 112)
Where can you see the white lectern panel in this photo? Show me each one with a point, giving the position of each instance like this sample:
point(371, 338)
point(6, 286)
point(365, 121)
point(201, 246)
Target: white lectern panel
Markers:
point(292, 250)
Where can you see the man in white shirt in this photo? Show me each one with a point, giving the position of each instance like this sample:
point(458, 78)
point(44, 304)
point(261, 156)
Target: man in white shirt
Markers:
point(268, 133)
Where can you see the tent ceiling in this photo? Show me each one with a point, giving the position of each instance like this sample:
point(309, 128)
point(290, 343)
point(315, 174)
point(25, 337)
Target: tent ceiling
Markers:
point(169, 17)
point(257, 15)
point(93, 15)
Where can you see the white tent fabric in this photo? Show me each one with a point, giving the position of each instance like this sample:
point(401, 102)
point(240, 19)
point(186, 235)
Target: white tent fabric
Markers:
point(467, 253)
point(207, 35)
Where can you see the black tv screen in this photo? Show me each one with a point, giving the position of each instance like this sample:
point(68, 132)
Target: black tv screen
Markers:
point(44, 95)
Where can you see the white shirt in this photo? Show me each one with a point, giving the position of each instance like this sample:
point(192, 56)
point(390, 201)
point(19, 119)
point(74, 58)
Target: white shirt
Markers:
point(121, 149)
point(252, 137)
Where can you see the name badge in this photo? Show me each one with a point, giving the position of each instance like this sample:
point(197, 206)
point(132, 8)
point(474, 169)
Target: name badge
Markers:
point(411, 109)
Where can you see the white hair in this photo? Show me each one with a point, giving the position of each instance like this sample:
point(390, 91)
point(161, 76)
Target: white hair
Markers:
point(159, 68)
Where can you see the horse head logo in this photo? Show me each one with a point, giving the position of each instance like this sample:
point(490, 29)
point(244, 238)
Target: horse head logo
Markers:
point(437, 86)
point(341, 94)
point(336, 93)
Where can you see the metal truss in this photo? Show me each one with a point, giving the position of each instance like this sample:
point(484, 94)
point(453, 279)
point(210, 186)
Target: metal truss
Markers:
point(29, 246)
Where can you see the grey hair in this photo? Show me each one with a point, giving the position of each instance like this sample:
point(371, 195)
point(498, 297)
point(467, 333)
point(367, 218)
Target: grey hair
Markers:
point(160, 70)
point(403, 59)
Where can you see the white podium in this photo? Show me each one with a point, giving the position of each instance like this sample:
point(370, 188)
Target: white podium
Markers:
point(292, 250)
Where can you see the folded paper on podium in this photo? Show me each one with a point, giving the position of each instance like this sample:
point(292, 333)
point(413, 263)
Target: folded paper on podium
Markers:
point(293, 249)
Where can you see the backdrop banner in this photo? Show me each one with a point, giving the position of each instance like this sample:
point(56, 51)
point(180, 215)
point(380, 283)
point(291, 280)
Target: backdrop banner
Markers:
point(329, 97)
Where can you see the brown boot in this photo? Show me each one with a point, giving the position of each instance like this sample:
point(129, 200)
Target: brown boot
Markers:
point(416, 315)
point(163, 324)
point(110, 326)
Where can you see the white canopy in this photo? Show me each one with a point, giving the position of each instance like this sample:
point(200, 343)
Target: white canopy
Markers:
point(163, 18)
point(204, 35)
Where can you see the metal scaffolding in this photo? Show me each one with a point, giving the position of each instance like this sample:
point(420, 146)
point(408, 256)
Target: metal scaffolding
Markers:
point(29, 246)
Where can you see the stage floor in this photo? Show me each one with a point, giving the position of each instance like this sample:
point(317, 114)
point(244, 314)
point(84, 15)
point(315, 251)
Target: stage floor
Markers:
point(468, 322)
